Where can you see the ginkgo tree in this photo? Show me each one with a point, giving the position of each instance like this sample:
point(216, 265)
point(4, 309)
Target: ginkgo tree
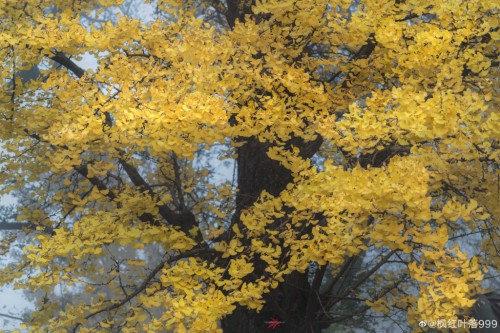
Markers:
point(355, 127)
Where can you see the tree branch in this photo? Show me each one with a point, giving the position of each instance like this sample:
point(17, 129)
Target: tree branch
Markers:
point(369, 273)
point(362, 280)
point(185, 220)
point(147, 281)
point(6, 226)
point(11, 316)
point(66, 62)
point(313, 298)
point(15, 226)
point(364, 308)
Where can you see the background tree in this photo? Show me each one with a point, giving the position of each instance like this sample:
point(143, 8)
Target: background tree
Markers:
point(364, 140)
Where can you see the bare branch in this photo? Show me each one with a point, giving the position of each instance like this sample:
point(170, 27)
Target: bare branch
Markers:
point(11, 316)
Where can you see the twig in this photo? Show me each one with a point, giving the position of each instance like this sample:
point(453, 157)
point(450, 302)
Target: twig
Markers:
point(147, 281)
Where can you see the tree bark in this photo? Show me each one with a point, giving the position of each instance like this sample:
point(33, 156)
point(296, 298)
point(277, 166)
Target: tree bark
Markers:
point(295, 301)
point(289, 304)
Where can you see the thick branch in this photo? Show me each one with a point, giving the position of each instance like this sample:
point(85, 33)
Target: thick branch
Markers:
point(15, 226)
point(84, 171)
point(66, 62)
point(185, 219)
point(381, 157)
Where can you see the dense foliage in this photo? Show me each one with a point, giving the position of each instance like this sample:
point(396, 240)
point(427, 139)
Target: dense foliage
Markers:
point(364, 139)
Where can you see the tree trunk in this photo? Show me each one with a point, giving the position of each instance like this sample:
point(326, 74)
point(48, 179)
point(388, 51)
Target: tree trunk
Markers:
point(289, 304)
point(294, 303)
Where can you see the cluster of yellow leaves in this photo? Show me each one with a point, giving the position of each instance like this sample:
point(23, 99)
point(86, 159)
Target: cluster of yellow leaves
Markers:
point(448, 280)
